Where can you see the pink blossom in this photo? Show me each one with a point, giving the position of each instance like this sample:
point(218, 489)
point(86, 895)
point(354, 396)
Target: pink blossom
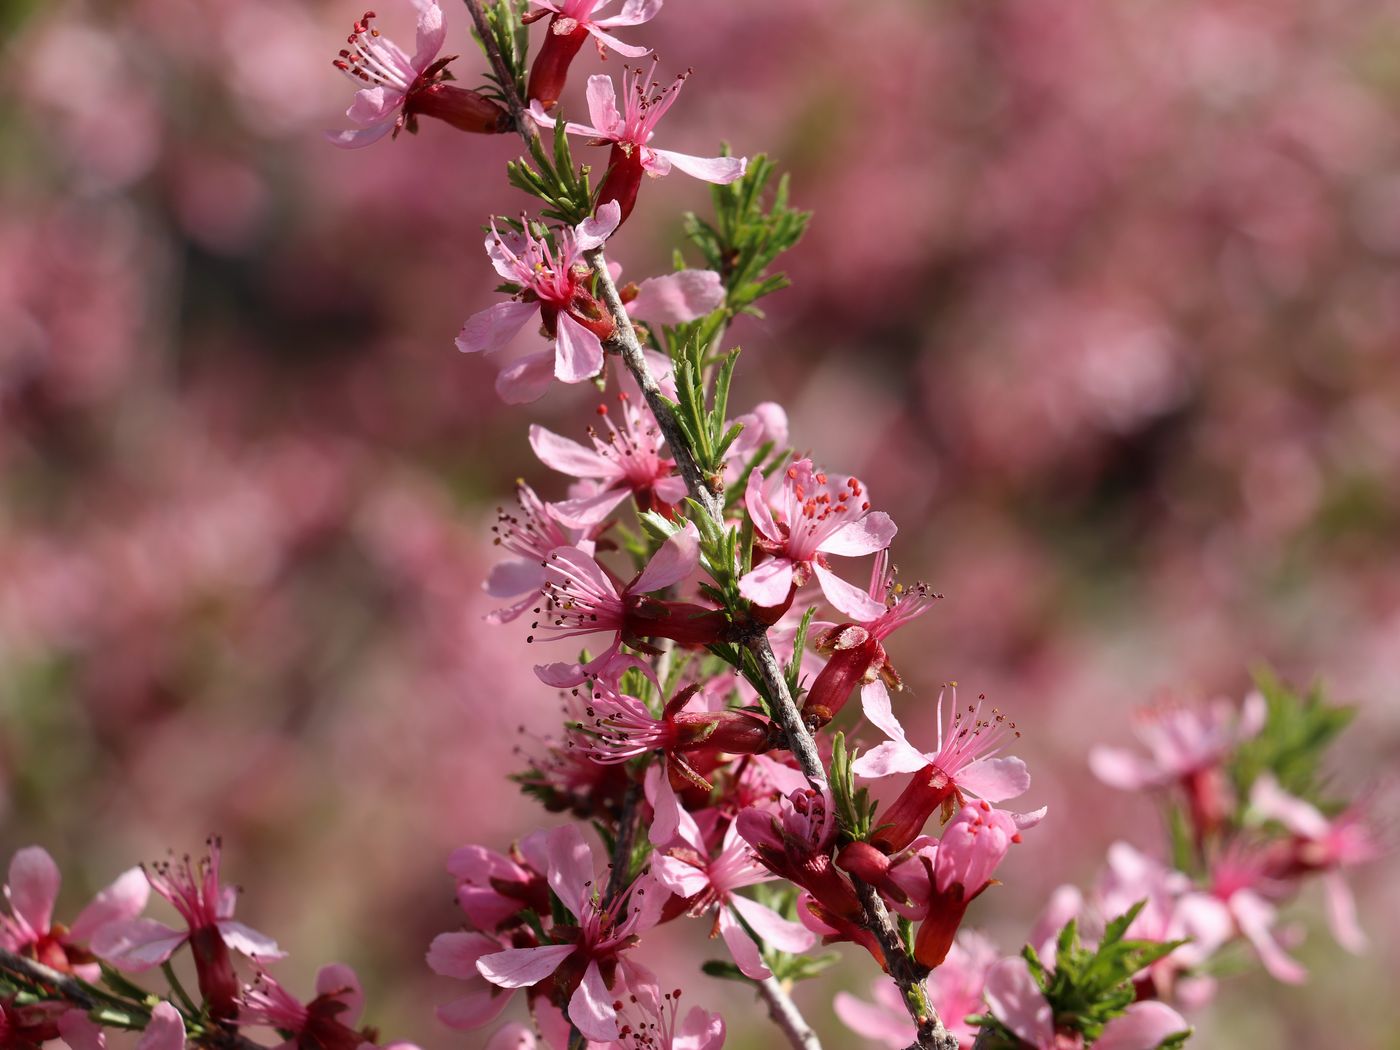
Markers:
point(802, 516)
point(767, 425)
point(456, 955)
point(211, 931)
point(32, 891)
point(572, 24)
point(583, 599)
point(164, 1031)
point(553, 286)
point(492, 888)
point(322, 1024)
point(963, 762)
point(1186, 745)
point(708, 884)
point(1017, 1002)
point(399, 87)
point(530, 535)
point(1321, 845)
point(604, 930)
point(630, 131)
point(1240, 879)
point(624, 461)
point(955, 990)
point(855, 651)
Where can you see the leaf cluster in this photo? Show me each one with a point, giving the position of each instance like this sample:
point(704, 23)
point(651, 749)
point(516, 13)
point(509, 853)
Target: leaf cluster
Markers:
point(1297, 731)
point(562, 188)
point(512, 39)
point(853, 805)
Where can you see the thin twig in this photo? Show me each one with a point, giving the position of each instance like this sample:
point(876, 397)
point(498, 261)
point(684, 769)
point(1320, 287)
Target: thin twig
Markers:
point(64, 985)
point(514, 103)
point(933, 1035)
point(787, 1016)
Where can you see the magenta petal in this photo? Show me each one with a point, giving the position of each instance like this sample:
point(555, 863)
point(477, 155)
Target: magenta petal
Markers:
point(164, 1031)
point(125, 898)
point(995, 779)
point(522, 967)
point(591, 1009)
point(494, 327)
point(578, 353)
point(769, 584)
point(33, 887)
point(781, 933)
point(1016, 1001)
point(1142, 1027)
point(742, 948)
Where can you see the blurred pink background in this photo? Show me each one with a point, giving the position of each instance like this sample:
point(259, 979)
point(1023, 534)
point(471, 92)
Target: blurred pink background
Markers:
point(1102, 300)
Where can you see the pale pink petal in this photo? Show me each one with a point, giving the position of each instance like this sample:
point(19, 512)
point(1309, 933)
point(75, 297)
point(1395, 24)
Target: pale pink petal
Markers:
point(699, 1030)
point(540, 117)
point(570, 867)
point(602, 106)
point(527, 379)
point(674, 562)
point(374, 105)
point(677, 298)
point(455, 954)
point(343, 984)
point(757, 506)
point(875, 702)
point(1254, 712)
point(578, 353)
point(1022, 821)
point(1123, 769)
point(720, 170)
point(681, 878)
point(590, 1007)
point(594, 231)
point(512, 1036)
point(1065, 903)
point(1271, 802)
point(136, 944)
point(80, 1032)
point(164, 1031)
point(248, 941)
point(1016, 1001)
point(869, 534)
point(125, 898)
point(622, 48)
point(480, 1005)
point(568, 456)
point(874, 1022)
point(851, 600)
point(495, 326)
point(33, 887)
point(634, 12)
point(1142, 1027)
point(741, 946)
point(522, 967)
point(995, 779)
point(1255, 918)
point(669, 818)
point(888, 759)
point(358, 138)
point(510, 578)
point(431, 33)
point(587, 511)
point(1341, 913)
point(783, 934)
point(769, 584)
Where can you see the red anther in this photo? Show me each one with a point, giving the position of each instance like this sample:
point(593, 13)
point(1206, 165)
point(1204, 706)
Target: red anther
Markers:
point(602, 410)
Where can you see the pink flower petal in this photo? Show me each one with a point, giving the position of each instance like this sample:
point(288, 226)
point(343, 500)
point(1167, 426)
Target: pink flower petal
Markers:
point(851, 600)
point(342, 983)
point(590, 1007)
point(374, 105)
point(680, 877)
point(742, 948)
point(875, 702)
point(568, 456)
point(248, 941)
point(578, 353)
point(699, 1030)
point(571, 872)
point(594, 231)
point(783, 934)
point(995, 779)
point(512, 1036)
point(480, 1005)
point(634, 12)
point(431, 33)
point(1271, 802)
point(125, 898)
point(455, 954)
point(1016, 1001)
point(1255, 918)
point(673, 563)
point(757, 505)
point(1142, 1027)
point(527, 379)
point(80, 1032)
point(522, 967)
point(888, 759)
point(869, 534)
point(1123, 769)
point(165, 1030)
point(359, 138)
point(769, 584)
point(874, 1022)
point(508, 579)
point(677, 298)
point(602, 105)
point(1341, 913)
point(494, 327)
point(136, 944)
point(587, 511)
point(33, 887)
point(721, 170)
